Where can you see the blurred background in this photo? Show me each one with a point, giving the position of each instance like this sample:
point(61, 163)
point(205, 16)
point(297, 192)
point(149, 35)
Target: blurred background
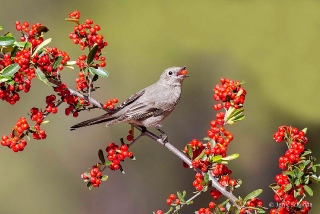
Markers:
point(273, 45)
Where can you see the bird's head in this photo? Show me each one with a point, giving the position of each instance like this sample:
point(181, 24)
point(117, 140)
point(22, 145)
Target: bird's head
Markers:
point(174, 75)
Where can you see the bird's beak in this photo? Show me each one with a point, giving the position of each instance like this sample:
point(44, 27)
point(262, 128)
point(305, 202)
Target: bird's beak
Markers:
point(183, 72)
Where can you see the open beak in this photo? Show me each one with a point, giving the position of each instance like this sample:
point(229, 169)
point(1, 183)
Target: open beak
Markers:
point(183, 72)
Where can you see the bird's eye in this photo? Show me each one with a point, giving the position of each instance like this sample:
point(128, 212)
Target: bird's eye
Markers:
point(170, 73)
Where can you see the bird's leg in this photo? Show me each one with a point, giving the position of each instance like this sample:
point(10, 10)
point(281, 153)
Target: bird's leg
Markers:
point(143, 130)
point(164, 136)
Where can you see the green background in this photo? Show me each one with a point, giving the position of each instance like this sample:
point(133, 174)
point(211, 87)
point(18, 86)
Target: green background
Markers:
point(273, 45)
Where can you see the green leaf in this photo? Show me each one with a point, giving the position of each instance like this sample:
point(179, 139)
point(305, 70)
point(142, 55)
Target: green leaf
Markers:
point(216, 158)
point(306, 152)
point(297, 182)
point(14, 51)
point(107, 163)
point(99, 71)
point(1, 27)
point(259, 210)
point(305, 163)
point(24, 45)
point(190, 152)
point(90, 186)
point(315, 178)
point(104, 178)
point(300, 174)
point(288, 187)
point(92, 54)
point(6, 40)
point(95, 78)
point(230, 157)
point(238, 118)
point(180, 196)
point(206, 139)
point(4, 79)
point(101, 156)
point(45, 122)
point(41, 76)
point(184, 193)
point(69, 63)
point(206, 178)
point(226, 201)
point(10, 82)
point(308, 190)
point(73, 20)
point(68, 66)
point(44, 43)
point(189, 202)
point(291, 173)
point(305, 130)
point(253, 194)
point(10, 70)
point(57, 62)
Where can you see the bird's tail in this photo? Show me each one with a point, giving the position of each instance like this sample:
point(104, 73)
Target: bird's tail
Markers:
point(93, 121)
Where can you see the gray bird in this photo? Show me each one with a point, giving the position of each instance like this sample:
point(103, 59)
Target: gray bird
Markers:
point(148, 107)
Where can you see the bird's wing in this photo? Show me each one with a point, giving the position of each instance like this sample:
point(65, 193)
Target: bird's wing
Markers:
point(131, 99)
point(147, 109)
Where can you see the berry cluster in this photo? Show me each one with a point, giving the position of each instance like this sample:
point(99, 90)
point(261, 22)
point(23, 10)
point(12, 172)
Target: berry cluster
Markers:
point(75, 103)
point(21, 81)
point(296, 140)
point(46, 61)
point(130, 136)
point(197, 183)
point(37, 116)
point(288, 198)
point(32, 35)
point(86, 35)
point(110, 103)
point(116, 155)
point(172, 199)
point(230, 93)
point(251, 204)
point(94, 177)
point(49, 61)
point(51, 106)
point(81, 81)
point(294, 182)
point(15, 141)
point(75, 14)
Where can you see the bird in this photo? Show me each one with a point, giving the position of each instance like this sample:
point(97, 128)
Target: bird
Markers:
point(148, 107)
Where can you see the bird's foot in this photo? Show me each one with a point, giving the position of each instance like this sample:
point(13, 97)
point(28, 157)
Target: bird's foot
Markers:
point(143, 129)
point(164, 138)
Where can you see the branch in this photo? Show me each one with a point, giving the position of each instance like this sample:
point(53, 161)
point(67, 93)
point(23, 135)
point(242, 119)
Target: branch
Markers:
point(169, 146)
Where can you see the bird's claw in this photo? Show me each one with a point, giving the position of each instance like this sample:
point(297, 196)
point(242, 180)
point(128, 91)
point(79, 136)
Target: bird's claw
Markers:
point(164, 138)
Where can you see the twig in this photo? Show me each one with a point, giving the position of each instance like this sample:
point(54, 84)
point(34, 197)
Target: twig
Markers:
point(190, 199)
point(89, 86)
point(185, 159)
point(46, 114)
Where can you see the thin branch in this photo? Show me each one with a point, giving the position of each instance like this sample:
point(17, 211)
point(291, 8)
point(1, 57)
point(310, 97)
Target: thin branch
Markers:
point(190, 199)
point(89, 86)
point(169, 146)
